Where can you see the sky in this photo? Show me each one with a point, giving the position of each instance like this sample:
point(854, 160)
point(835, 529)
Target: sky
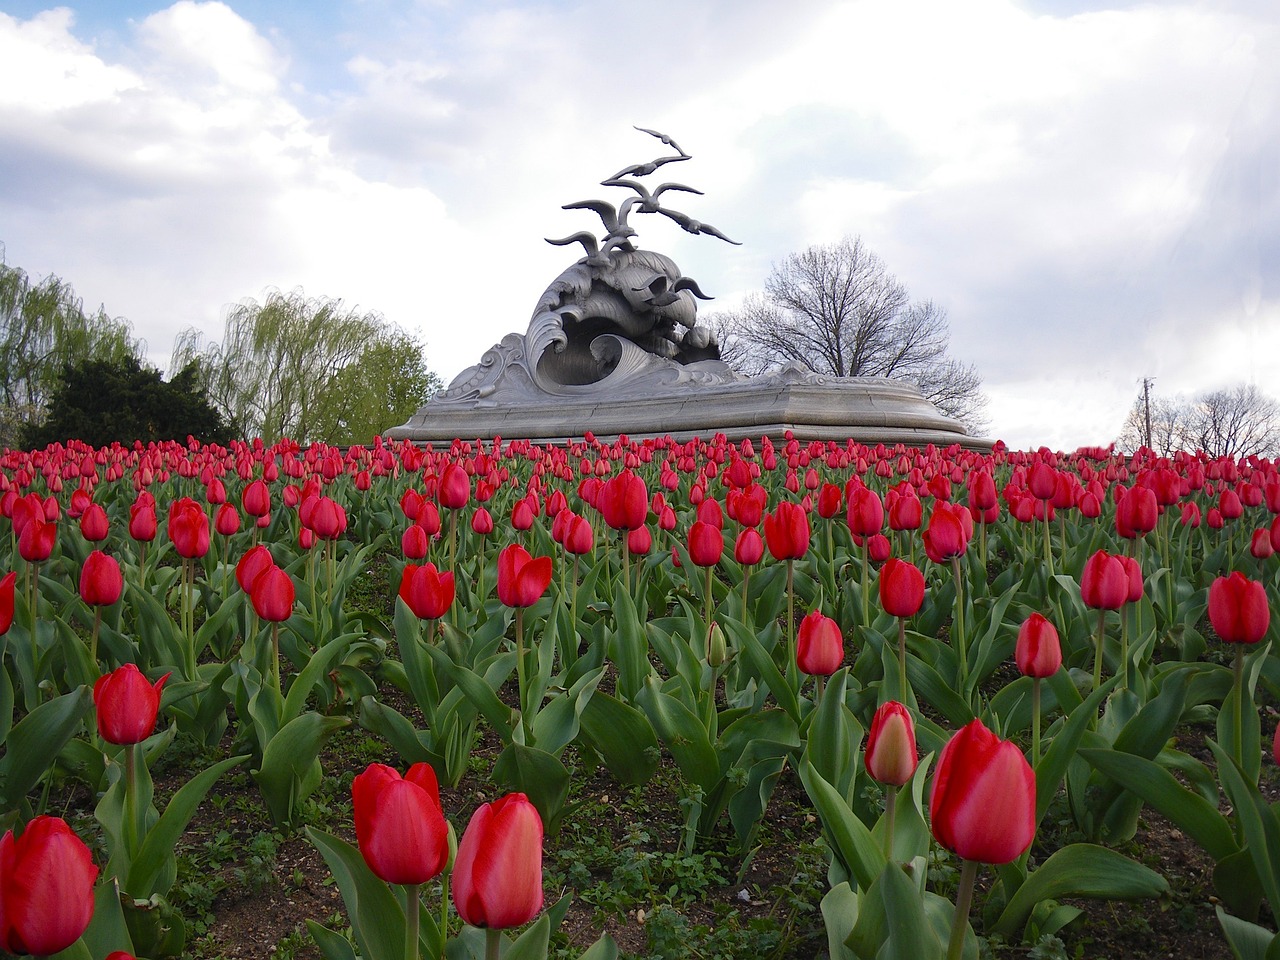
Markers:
point(1090, 190)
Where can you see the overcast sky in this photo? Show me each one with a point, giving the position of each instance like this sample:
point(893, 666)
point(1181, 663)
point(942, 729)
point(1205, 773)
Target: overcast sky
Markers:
point(1090, 190)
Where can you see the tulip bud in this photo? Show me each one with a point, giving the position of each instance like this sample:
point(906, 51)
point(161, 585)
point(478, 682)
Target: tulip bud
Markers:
point(1038, 652)
point(497, 878)
point(400, 827)
point(46, 888)
point(427, 592)
point(819, 645)
point(717, 648)
point(522, 579)
point(1238, 609)
point(901, 588)
point(127, 704)
point(890, 756)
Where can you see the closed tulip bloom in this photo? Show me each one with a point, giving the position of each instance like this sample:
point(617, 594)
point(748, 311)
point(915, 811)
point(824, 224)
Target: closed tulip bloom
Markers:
point(878, 548)
point(1229, 505)
point(1133, 574)
point(1104, 583)
point(272, 594)
point(142, 521)
point(890, 756)
point(819, 645)
point(1042, 480)
point(127, 704)
point(1238, 609)
point(37, 539)
point(414, 542)
point(497, 876)
point(579, 538)
point(522, 579)
point(1038, 651)
point(866, 512)
point(46, 888)
point(982, 490)
point(482, 522)
point(256, 499)
point(706, 544)
point(748, 549)
point(94, 525)
point(747, 505)
point(188, 528)
point(901, 588)
point(100, 580)
point(947, 535)
point(6, 601)
point(1137, 512)
point(624, 501)
point(639, 542)
point(1190, 514)
point(830, 499)
point(227, 520)
point(255, 560)
point(522, 515)
point(1260, 544)
point(328, 518)
point(983, 805)
point(455, 487)
point(906, 513)
point(709, 512)
point(427, 592)
point(400, 827)
point(786, 531)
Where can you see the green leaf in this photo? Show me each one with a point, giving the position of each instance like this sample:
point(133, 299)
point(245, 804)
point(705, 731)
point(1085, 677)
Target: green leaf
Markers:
point(1062, 748)
point(557, 724)
point(1248, 941)
point(623, 736)
point(333, 945)
point(107, 930)
point(682, 732)
point(532, 944)
point(478, 690)
point(1255, 820)
point(376, 916)
point(158, 846)
point(539, 775)
point(36, 739)
point(1080, 870)
point(602, 949)
point(1158, 787)
point(289, 767)
point(910, 935)
point(840, 915)
point(762, 664)
point(851, 841)
point(314, 671)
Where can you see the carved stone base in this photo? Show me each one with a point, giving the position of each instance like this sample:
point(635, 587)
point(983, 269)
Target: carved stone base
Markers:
point(650, 397)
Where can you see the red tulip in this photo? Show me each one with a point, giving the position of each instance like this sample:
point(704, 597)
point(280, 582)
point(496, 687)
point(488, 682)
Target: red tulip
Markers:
point(624, 501)
point(255, 560)
point(947, 535)
point(1260, 544)
point(327, 518)
point(866, 512)
point(188, 528)
point(748, 549)
point(37, 539)
point(6, 601)
point(100, 580)
point(901, 588)
point(522, 579)
point(46, 888)
point(786, 531)
point(400, 827)
point(982, 490)
point(127, 704)
point(746, 505)
point(414, 542)
point(1133, 574)
point(1190, 514)
point(830, 498)
point(639, 542)
point(983, 805)
point(482, 522)
point(890, 756)
point(1104, 584)
point(819, 645)
point(142, 520)
point(706, 544)
point(579, 538)
point(1137, 512)
point(709, 512)
point(497, 876)
point(522, 515)
point(455, 487)
point(428, 592)
point(1238, 609)
point(1229, 505)
point(906, 512)
point(227, 520)
point(256, 499)
point(94, 525)
point(272, 594)
point(1038, 652)
point(878, 548)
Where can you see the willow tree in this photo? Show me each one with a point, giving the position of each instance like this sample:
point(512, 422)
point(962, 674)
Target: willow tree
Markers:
point(43, 328)
point(309, 369)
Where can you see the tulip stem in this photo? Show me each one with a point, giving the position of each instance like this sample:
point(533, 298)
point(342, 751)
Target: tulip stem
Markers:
point(866, 583)
point(93, 643)
point(964, 899)
point(792, 669)
point(1048, 550)
point(890, 816)
point(133, 836)
point(1237, 721)
point(275, 657)
point(706, 611)
point(961, 652)
point(1097, 657)
point(902, 657)
point(1035, 721)
point(412, 920)
point(520, 662)
point(746, 578)
point(492, 944)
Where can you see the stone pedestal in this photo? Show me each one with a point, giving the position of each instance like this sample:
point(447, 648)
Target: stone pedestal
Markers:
point(647, 396)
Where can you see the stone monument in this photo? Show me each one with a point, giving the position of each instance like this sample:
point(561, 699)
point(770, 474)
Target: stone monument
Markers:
point(614, 347)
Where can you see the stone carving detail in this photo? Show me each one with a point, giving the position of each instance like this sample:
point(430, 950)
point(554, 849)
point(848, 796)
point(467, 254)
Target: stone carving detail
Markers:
point(619, 321)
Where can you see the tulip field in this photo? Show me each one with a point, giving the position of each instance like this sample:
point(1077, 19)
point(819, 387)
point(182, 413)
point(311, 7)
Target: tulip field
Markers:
point(637, 698)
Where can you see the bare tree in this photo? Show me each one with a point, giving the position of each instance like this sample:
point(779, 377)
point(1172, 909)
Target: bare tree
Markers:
point(837, 310)
point(1237, 421)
